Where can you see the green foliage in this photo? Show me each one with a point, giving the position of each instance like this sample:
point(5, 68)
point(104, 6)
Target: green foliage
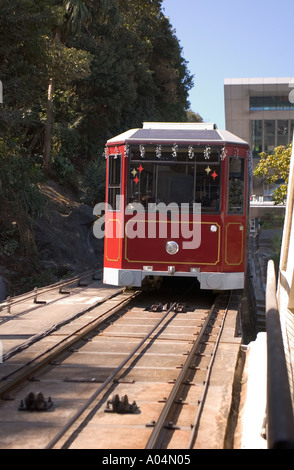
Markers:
point(20, 199)
point(64, 169)
point(276, 244)
point(193, 117)
point(114, 64)
point(161, 73)
point(19, 179)
point(9, 242)
point(29, 280)
point(272, 221)
point(94, 182)
point(23, 63)
point(75, 73)
point(275, 167)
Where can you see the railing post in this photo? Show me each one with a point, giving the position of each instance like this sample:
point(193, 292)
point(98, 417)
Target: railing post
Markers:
point(280, 422)
point(8, 304)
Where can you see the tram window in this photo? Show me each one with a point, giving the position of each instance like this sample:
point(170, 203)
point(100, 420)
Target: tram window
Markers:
point(114, 169)
point(208, 187)
point(236, 186)
point(175, 183)
point(114, 181)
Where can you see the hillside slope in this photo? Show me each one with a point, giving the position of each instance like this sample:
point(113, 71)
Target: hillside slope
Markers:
point(64, 241)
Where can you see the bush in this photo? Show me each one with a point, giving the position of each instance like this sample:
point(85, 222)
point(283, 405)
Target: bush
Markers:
point(64, 169)
point(94, 182)
point(20, 198)
point(270, 220)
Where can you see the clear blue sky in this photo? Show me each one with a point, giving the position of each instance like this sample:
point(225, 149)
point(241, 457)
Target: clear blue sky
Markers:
point(231, 39)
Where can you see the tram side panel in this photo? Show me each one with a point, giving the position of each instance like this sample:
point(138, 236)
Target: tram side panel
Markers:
point(114, 213)
point(235, 212)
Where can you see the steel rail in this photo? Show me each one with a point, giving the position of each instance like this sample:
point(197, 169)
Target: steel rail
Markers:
point(280, 422)
point(88, 403)
point(156, 435)
point(202, 399)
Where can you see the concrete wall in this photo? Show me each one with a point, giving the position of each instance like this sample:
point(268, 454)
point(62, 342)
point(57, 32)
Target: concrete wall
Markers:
point(285, 290)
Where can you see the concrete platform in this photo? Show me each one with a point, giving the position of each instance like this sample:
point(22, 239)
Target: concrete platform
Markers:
point(254, 400)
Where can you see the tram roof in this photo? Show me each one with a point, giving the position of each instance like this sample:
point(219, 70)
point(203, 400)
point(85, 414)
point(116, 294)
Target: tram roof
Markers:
point(167, 132)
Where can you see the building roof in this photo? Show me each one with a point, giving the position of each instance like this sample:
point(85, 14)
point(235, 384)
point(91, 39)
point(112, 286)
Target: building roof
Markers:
point(164, 133)
point(259, 81)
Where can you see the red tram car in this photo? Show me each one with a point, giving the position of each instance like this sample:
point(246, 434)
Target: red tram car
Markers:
point(176, 205)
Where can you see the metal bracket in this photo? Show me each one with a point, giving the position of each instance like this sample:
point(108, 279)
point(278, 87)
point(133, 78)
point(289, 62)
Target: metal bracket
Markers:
point(180, 308)
point(35, 297)
point(156, 308)
point(171, 425)
point(115, 405)
point(34, 402)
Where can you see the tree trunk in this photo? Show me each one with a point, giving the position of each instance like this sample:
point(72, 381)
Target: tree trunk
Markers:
point(48, 125)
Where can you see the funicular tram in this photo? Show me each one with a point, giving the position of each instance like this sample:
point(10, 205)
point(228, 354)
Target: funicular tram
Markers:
point(176, 205)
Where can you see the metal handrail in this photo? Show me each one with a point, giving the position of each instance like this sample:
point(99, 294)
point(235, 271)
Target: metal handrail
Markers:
point(280, 421)
point(10, 301)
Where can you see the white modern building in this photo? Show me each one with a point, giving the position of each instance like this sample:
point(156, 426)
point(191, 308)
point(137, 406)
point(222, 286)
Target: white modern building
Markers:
point(260, 111)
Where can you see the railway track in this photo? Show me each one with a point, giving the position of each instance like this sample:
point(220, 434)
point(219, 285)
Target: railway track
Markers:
point(49, 334)
point(135, 377)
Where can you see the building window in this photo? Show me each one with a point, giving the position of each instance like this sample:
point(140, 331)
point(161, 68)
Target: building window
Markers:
point(291, 129)
point(256, 137)
point(269, 103)
point(269, 135)
point(282, 131)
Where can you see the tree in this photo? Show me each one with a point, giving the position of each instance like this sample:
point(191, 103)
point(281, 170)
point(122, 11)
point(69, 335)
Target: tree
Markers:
point(71, 17)
point(74, 16)
point(23, 66)
point(137, 74)
point(157, 57)
point(276, 167)
point(193, 117)
point(76, 72)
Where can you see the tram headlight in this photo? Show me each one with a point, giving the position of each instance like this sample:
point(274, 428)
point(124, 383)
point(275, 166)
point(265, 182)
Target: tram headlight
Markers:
point(172, 248)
